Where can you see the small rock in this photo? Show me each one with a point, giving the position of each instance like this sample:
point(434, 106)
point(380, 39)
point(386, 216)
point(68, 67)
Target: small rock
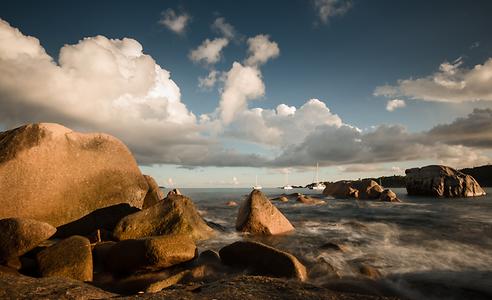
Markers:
point(322, 268)
point(231, 203)
point(263, 260)
point(335, 246)
point(309, 200)
point(369, 271)
point(69, 258)
point(281, 199)
point(150, 253)
point(18, 236)
point(389, 196)
point(174, 192)
point(258, 215)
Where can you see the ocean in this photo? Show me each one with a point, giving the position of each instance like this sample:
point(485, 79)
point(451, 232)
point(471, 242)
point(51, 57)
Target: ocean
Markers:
point(424, 248)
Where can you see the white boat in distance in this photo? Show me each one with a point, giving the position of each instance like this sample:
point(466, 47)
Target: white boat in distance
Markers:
point(256, 186)
point(287, 186)
point(318, 185)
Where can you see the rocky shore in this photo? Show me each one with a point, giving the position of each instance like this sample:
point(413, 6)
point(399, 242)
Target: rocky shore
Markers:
point(80, 221)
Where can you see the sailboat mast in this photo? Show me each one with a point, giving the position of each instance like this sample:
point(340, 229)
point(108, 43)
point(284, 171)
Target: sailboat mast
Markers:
point(317, 166)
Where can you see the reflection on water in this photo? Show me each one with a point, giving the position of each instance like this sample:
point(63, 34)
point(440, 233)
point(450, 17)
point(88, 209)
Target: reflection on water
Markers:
point(444, 241)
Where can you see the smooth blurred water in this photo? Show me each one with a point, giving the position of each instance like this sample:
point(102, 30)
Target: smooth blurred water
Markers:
point(440, 240)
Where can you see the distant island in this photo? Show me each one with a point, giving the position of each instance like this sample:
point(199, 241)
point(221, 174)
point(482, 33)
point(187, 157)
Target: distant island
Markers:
point(483, 174)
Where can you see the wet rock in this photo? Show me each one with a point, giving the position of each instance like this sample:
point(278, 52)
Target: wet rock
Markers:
point(368, 189)
point(231, 203)
point(389, 196)
point(309, 200)
point(340, 189)
point(335, 247)
point(23, 287)
point(323, 269)
point(150, 253)
point(104, 219)
point(258, 215)
point(154, 194)
point(55, 175)
point(69, 258)
point(100, 252)
point(209, 256)
point(281, 199)
point(369, 271)
point(176, 214)
point(261, 259)
point(19, 235)
point(441, 181)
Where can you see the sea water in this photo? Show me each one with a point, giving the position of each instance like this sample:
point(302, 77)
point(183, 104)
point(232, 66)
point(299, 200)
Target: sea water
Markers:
point(424, 247)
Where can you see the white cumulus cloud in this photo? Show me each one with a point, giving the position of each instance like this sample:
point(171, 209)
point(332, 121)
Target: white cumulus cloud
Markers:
point(223, 28)
point(175, 22)
point(261, 49)
point(327, 9)
point(209, 52)
point(394, 104)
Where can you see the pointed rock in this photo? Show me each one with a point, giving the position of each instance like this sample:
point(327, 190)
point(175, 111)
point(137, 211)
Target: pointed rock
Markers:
point(154, 194)
point(258, 215)
point(18, 236)
point(176, 214)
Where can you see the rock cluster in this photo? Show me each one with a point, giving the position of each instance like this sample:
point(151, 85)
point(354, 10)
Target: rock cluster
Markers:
point(365, 189)
point(441, 181)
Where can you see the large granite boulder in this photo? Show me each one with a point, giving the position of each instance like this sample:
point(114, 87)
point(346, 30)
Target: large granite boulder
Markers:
point(258, 215)
point(154, 194)
point(441, 181)
point(18, 236)
point(69, 258)
point(55, 175)
point(368, 189)
point(176, 214)
point(150, 253)
point(365, 189)
point(261, 259)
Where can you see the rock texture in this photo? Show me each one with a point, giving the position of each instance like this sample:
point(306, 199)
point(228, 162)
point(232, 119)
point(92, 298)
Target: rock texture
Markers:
point(69, 258)
point(258, 215)
point(18, 236)
point(441, 181)
point(23, 287)
point(55, 175)
point(176, 214)
point(154, 194)
point(368, 189)
point(340, 189)
point(150, 253)
point(261, 259)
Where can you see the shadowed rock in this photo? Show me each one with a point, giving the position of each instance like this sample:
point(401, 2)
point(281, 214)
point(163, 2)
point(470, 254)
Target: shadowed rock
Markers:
point(389, 196)
point(69, 258)
point(261, 259)
point(18, 236)
point(104, 218)
point(154, 194)
point(441, 181)
point(340, 189)
point(150, 253)
point(176, 214)
point(258, 215)
point(309, 200)
point(368, 189)
point(55, 175)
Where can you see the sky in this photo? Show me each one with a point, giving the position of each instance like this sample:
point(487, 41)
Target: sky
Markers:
point(215, 93)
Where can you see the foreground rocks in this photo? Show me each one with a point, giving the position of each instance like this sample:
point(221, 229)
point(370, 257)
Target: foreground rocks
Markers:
point(261, 259)
point(55, 175)
point(441, 181)
point(150, 253)
point(154, 193)
point(176, 214)
point(258, 215)
point(69, 258)
point(23, 287)
point(365, 189)
point(18, 236)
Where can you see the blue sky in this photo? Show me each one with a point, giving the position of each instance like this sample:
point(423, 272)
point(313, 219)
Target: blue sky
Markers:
point(339, 52)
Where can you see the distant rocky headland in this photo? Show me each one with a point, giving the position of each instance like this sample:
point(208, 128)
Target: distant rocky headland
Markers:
point(80, 221)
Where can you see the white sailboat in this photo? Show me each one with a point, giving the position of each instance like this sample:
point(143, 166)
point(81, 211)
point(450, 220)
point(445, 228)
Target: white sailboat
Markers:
point(318, 185)
point(287, 186)
point(256, 186)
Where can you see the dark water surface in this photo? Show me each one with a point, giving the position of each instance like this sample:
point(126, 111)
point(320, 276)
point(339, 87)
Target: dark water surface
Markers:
point(425, 248)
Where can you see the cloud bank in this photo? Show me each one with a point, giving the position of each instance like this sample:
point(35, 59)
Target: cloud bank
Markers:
point(175, 22)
